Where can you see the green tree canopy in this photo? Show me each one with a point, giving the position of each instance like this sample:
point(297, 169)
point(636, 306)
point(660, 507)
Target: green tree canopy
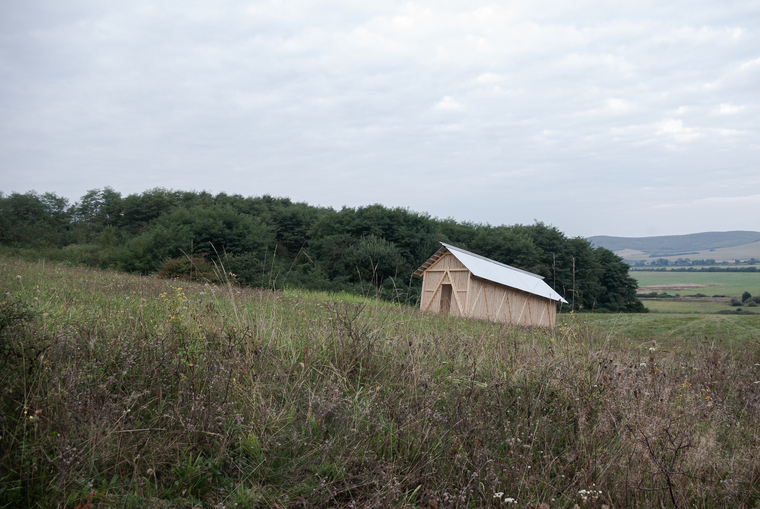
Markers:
point(273, 241)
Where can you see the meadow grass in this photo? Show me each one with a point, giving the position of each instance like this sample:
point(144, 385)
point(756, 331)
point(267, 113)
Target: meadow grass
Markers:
point(700, 306)
point(689, 306)
point(688, 332)
point(127, 391)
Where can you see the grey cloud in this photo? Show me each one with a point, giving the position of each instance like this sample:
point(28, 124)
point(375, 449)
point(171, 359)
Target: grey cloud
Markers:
point(501, 113)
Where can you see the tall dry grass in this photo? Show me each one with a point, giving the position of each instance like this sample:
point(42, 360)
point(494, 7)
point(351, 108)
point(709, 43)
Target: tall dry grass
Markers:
point(141, 392)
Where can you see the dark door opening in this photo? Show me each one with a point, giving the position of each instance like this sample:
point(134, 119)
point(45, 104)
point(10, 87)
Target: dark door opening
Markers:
point(445, 299)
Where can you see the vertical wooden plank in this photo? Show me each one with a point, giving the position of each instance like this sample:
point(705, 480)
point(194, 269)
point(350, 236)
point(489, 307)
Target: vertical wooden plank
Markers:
point(423, 296)
point(477, 311)
point(541, 308)
point(500, 311)
point(531, 311)
point(486, 287)
point(468, 310)
point(457, 297)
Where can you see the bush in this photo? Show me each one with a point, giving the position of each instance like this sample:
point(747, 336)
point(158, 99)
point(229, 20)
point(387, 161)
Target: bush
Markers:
point(746, 296)
point(736, 302)
point(193, 269)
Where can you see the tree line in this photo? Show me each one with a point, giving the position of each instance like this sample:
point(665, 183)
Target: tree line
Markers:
point(688, 262)
point(745, 268)
point(276, 243)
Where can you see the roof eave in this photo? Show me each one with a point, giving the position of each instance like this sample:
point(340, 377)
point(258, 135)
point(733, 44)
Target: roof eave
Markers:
point(430, 262)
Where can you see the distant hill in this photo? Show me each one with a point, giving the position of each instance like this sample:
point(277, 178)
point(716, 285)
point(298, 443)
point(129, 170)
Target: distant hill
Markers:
point(716, 245)
point(674, 244)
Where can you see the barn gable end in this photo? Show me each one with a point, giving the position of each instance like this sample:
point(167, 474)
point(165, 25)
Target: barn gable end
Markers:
point(446, 271)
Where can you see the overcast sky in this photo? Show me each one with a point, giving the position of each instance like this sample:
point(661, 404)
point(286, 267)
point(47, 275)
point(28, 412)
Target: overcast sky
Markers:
point(601, 118)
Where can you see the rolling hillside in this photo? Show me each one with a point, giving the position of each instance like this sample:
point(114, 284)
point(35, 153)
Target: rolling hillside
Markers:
point(720, 246)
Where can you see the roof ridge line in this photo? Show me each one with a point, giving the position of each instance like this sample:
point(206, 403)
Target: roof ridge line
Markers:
point(449, 247)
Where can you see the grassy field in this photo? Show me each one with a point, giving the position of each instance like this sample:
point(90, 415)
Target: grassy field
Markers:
point(686, 306)
point(732, 284)
point(126, 391)
point(696, 306)
point(681, 331)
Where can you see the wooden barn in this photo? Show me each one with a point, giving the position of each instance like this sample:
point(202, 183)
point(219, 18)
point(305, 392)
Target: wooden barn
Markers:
point(460, 283)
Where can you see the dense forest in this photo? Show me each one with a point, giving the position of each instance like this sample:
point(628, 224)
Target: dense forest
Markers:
point(276, 243)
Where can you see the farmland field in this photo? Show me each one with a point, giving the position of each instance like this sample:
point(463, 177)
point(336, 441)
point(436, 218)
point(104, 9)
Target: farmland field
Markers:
point(732, 284)
point(128, 391)
point(689, 306)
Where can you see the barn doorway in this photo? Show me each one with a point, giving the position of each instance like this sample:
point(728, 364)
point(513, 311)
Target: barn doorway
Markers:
point(445, 299)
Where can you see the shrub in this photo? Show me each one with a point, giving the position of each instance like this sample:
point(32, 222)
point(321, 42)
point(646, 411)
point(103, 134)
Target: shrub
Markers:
point(746, 296)
point(193, 269)
point(736, 302)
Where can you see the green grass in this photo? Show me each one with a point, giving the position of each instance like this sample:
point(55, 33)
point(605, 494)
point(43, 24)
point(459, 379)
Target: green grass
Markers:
point(141, 392)
point(686, 331)
point(686, 306)
point(732, 284)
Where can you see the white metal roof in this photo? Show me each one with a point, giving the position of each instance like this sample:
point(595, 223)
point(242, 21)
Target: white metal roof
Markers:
point(503, 274)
